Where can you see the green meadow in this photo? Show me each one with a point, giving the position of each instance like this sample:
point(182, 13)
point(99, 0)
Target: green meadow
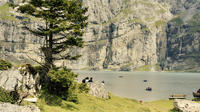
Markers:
point(88, 103)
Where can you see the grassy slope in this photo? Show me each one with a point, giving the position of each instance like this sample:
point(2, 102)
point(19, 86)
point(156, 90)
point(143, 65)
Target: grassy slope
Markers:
point(5, 14)
point(115, 104)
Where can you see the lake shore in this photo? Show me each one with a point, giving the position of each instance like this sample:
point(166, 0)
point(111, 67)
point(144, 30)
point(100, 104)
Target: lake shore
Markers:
point(131, 84)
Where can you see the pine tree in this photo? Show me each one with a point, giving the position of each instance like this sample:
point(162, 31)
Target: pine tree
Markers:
point(64, 23)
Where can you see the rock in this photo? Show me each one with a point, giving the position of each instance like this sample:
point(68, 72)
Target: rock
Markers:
point(20, 80)
point(10, 79)
point(98, 89)
point(33, 100)
point(7, 107)
point(186, 105)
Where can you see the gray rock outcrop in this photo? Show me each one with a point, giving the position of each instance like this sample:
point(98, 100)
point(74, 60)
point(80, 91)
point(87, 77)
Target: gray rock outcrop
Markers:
point(7, 107)
point(186, 105)
point(21, 80)
point(98, 89)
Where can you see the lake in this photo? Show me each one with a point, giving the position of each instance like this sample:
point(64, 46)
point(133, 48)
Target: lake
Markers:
point(132, 85)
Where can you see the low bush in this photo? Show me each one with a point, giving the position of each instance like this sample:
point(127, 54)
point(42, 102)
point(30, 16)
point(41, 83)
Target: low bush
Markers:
point(61, 83)
point(83, 88)
point(5, 65)
point(6, 96)
point(174, 110)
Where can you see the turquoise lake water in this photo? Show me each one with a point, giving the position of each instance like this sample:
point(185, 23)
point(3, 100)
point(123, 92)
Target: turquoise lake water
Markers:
point(131, 84)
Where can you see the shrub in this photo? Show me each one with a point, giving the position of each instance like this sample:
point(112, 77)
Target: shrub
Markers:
point(61, 83)
point(5, 65)
point(26, 9)
point(6, 96)
point(174, 110)
point(83, 88)
point(12, 5)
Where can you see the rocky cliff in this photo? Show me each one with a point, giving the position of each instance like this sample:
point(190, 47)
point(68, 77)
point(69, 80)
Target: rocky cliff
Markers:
point(184, 44)
point(183, 38)
point(121, 35)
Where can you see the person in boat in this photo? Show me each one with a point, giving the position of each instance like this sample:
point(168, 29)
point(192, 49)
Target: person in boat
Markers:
point(85, 80)
point(91, 79)
point(198, 91)
point(148, 88)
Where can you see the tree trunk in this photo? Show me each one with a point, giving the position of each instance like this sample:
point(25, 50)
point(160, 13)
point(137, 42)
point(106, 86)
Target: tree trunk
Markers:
point(48, 52)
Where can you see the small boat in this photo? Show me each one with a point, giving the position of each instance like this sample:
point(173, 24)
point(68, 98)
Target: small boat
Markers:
point(196, 94)
point(148, 89)
point(177, 96)
point(144, 80)
point(120, 76)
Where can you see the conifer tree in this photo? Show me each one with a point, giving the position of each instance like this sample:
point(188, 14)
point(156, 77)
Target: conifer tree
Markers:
point(64, 23)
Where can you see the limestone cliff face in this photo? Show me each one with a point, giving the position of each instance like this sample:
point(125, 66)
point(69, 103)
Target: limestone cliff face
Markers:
point(17, 44)
point(183, 35)
point(121, 35)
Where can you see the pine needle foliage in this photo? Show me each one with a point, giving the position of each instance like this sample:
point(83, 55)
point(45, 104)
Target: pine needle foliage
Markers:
point(61, 83)
point(64, 22)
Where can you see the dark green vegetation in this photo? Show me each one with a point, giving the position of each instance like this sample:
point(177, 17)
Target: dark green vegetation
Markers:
point(5, 65)
point(7, 96)
point(61, 83)
point(64, 21)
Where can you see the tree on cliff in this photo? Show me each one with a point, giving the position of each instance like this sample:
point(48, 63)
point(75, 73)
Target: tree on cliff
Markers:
point(64, 21)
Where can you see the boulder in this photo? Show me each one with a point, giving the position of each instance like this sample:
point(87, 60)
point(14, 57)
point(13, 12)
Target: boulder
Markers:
point(98, 89)
point(32, 100)
point(186, 105)
point(7, 107)
point(24, 81)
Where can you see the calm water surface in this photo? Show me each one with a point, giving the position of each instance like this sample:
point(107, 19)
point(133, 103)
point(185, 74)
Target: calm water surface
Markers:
point(131, 85)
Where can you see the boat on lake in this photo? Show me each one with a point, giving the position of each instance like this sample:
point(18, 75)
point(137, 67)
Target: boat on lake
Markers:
point(148, 89)
point(177, 96)
point(120, 76)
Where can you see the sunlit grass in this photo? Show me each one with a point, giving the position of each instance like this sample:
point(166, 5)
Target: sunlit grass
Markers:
point(89, 103)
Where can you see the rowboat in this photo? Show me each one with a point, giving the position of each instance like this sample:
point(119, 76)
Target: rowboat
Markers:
point(177, 96)
point(148, 89)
